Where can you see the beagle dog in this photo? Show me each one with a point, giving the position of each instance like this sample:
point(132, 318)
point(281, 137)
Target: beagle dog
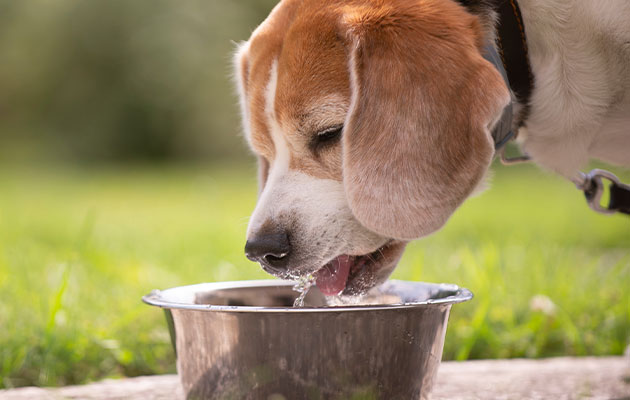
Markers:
point(373, 120)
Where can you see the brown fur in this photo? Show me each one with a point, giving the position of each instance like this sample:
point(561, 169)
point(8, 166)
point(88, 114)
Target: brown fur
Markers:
point(415, 94)
point(416, 141)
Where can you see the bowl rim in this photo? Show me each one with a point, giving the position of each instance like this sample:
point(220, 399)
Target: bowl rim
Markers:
point(156, 298)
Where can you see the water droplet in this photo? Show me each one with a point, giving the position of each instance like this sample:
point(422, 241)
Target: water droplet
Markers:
point(302, 286)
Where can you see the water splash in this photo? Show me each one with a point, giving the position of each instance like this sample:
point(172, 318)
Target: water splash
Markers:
point(303, 285)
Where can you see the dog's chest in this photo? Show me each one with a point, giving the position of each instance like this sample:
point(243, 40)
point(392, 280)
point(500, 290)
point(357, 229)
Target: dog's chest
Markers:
point(580, 106)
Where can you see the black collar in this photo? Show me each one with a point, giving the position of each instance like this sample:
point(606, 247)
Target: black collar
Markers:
point(503, 131)
point(512, 46)
point(514, 66)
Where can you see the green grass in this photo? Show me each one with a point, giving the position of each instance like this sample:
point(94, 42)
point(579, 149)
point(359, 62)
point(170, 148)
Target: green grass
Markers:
point(78, 248)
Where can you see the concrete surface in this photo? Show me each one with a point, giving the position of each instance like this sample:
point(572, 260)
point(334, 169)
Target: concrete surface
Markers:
point(601, 378)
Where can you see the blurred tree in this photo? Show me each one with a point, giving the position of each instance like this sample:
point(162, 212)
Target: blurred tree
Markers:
point(110, 80)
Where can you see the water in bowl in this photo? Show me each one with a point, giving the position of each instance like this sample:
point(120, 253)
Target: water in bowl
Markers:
point(302, 286)
point(376, 296)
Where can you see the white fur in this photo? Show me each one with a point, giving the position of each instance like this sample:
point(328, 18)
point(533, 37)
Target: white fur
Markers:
point(239, 56)
point(280, 164)
point(580, 107)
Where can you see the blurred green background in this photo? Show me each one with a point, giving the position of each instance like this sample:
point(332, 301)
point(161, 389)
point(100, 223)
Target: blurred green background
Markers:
point(122, 170)
point(117, 80)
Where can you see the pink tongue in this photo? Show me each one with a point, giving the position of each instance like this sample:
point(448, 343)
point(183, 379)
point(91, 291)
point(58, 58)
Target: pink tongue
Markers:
point(331, 279)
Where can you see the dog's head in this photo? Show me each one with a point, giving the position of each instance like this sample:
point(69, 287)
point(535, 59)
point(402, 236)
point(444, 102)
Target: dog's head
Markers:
point(371, 121)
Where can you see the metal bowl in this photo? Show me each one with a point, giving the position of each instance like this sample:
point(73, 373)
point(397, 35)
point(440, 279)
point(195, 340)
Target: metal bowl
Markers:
point(244, 340)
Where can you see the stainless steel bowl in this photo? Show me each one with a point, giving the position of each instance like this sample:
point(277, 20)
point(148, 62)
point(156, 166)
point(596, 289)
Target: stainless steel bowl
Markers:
point(244, 340)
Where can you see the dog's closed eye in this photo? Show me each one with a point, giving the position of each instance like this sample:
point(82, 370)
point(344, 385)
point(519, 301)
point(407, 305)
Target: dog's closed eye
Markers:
point(326, 138)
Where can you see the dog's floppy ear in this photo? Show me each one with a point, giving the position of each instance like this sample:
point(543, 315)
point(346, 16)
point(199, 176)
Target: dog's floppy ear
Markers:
point(416, 140)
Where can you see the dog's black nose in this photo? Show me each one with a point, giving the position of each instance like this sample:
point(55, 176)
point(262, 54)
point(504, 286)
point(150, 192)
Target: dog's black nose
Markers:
point(271, 251)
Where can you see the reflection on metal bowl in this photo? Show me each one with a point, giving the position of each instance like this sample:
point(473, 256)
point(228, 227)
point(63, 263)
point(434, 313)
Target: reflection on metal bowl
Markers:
point(244, 340)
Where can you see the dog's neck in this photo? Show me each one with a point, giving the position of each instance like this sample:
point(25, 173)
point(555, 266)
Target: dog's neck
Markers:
point(504, 29)
point(485, 10)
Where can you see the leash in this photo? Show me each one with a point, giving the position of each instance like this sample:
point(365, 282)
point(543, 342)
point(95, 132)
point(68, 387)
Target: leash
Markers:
point(512, 62)
point(592, 184)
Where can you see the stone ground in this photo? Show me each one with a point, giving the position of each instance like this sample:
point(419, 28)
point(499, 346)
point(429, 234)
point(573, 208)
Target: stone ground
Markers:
point(555, 378)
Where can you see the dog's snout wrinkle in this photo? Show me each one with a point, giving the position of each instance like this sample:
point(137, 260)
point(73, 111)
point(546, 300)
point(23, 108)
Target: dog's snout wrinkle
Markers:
point(270, 250)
